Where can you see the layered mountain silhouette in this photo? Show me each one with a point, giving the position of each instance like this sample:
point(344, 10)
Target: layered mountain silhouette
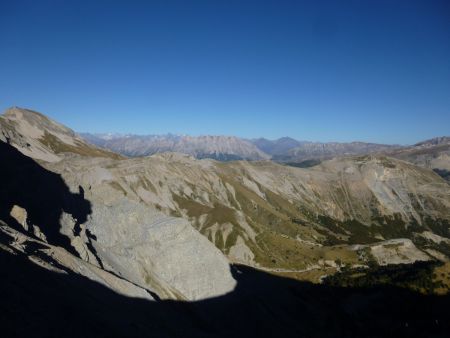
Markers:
point(283, 150)
point(226, 148)
point(223, 148)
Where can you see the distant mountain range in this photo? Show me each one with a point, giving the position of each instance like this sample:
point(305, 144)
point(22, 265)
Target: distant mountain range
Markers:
point(226, 148)
point(433, 153)
point(223, 148)
point(277, 147)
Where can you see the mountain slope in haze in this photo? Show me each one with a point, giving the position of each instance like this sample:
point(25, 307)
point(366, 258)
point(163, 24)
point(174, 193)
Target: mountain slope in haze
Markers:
point(323, 151)
point(222, 148)
point(443, 140)
point(433, 154)
point(278, 146)
point(160, 221)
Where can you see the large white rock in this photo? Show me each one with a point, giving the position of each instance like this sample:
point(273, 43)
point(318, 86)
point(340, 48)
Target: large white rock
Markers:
point(161, 253)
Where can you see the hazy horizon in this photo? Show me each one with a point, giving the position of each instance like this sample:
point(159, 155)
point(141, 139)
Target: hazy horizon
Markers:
point(118, 134)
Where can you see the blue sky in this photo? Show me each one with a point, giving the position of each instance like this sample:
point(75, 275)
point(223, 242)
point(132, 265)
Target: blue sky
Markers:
point(319, 70)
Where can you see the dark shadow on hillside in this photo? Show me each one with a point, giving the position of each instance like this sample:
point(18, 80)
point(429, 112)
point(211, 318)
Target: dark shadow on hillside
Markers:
point(42, 193)
point(35, 302)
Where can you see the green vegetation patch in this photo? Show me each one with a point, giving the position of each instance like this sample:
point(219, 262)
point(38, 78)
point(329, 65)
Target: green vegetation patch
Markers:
point(193, 208)
point(440, 227)
point(419, 276)
point(281, 252)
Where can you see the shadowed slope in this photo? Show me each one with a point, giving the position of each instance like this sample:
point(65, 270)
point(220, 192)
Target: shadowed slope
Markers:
point(43, 194)
point(39, 303)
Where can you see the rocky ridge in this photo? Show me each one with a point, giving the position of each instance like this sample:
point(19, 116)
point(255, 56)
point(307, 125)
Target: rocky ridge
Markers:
point(39, 137)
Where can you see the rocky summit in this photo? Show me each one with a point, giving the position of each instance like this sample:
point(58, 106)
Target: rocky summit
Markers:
point(174, 244)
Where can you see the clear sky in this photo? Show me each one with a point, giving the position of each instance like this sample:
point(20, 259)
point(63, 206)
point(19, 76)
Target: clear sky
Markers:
point(317, 70)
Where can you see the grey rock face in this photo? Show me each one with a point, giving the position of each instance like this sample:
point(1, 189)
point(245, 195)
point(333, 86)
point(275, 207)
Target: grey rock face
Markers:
point(161, 253)
point(134, 240)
